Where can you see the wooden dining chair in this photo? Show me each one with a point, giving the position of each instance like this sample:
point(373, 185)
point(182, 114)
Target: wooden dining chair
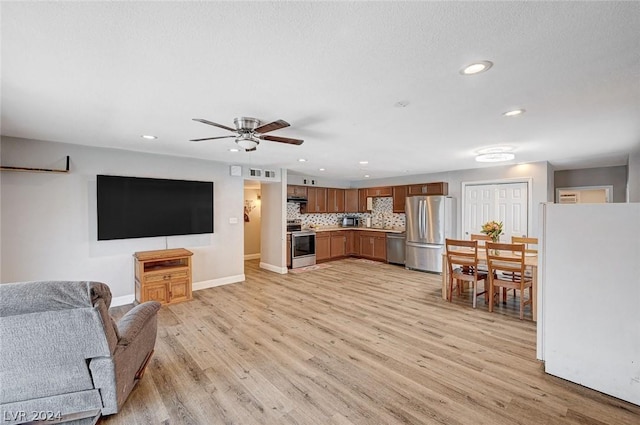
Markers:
point(527, 242)
point(462, 260)
point(507, 270)
point(481, 238)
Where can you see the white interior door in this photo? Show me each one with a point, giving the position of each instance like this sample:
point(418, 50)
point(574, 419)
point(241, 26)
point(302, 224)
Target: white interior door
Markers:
point(506, 202)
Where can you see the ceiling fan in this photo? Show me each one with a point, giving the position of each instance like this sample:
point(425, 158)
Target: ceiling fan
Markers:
point(249, 132)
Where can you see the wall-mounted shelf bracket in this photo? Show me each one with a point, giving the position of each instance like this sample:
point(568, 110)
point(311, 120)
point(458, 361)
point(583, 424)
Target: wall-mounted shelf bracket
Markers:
point(36, 170)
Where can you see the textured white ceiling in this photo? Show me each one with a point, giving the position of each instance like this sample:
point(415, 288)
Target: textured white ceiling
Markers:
point(103, 73)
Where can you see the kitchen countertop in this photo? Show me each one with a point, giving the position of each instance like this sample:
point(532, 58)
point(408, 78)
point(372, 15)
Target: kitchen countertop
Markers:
point(369, 229)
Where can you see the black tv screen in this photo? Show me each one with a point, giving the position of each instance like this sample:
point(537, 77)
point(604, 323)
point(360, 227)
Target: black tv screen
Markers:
point(137, 207)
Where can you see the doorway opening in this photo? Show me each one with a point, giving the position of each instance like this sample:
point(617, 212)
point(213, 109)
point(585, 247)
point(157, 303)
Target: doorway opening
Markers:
point(252, 219)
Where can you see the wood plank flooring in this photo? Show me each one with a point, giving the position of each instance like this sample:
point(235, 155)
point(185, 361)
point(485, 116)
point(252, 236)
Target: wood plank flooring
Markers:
point(354, 343)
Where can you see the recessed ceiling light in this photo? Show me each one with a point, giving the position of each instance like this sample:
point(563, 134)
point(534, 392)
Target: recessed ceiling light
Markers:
point(514, 113)
point(366, 176)
point(364, 162)
point(321, 169)
point(148, 137)
point(476, 68)
point(495, 157)
point(234, 150)
point(302, 160)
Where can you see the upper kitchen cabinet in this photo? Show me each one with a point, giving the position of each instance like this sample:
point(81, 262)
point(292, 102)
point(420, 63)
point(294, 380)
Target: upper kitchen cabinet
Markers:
point(399, 197)
point(335, 200)
point(440, 188)
point(362, 200)
point(374, 192)
point(316, 200)
point(351, 201)
point(296, 191)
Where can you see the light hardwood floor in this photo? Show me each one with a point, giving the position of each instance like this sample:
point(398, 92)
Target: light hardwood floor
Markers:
point(354, 343)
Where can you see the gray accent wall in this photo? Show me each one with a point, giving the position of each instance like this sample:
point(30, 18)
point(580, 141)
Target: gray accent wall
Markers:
point(602, 176)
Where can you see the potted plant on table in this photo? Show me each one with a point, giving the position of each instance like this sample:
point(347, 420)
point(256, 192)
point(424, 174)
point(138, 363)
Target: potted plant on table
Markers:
point(493, 229)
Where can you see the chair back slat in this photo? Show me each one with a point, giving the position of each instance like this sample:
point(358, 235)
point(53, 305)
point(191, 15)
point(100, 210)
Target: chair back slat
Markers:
point(461, 253)
point(505, 257)
point(527, 242)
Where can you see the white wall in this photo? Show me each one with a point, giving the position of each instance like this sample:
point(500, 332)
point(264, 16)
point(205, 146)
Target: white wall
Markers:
point(633, 176)
point(299, 179)
point(538, 171)
point(49, 220)
point(588, 317)
point(273, 243)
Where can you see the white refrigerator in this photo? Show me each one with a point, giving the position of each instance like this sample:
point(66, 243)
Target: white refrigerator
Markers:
point(589, 296)
point(429, 221)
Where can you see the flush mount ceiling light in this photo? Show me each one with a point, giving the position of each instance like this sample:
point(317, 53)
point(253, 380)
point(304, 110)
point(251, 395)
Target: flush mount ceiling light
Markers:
point(247, 143)
point(148, 137)
point(476, 68)
point(495, 154)
point(495, 157)
point(514, 113)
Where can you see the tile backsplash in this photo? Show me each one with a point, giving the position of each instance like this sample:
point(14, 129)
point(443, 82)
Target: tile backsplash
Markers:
point(382, 215)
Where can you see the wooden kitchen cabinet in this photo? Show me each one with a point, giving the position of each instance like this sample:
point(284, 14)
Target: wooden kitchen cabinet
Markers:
point(335, 200)
point(362, 200)
point(316, 200)
point(338, 244)
point(440, 188)
point(351, 201)
point(296, 191)
point(323, 246)
point(373, 245)
point(351, 242)
point(379, 191)
point(163, 275)
point(399, 197)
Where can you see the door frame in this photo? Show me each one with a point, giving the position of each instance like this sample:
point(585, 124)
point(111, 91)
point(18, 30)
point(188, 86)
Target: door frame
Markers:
point(527, 180)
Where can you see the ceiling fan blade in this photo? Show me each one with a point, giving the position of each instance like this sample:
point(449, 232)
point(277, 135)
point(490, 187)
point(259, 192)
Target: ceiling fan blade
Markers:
point(272, 126)
point(251, 150)
point(282, 140)
point(214, 124)
point(211, 138)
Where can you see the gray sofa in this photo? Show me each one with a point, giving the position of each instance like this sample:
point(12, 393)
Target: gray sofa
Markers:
point(62, 357)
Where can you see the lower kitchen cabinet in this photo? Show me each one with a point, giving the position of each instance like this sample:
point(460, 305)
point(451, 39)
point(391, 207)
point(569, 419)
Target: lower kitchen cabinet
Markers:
point(338, 244)
point(373, 245)
point(323, 246)
point(351, 242)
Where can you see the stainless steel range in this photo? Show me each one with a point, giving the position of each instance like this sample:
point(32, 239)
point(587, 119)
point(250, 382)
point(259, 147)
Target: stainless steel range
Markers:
point(303, 244)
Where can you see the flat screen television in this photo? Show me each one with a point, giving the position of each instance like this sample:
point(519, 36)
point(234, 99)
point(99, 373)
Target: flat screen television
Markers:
point(138, 207)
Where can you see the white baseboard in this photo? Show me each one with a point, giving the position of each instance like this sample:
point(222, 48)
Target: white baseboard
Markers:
point(252, 256)
point(123, 300)
point(272, 268)
point(218, 282)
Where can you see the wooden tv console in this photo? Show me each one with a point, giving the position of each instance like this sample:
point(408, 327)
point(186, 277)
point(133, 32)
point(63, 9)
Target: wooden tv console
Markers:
point(163, 275)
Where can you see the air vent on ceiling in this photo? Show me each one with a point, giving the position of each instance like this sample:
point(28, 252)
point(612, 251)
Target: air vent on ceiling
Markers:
point(269, 174)
point(255, 172)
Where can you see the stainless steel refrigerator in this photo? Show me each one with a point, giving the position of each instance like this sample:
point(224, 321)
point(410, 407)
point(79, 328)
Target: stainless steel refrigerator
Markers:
point(430, 219)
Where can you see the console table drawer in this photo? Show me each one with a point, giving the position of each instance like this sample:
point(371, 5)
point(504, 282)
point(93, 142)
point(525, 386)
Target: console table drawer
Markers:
point(166, 276)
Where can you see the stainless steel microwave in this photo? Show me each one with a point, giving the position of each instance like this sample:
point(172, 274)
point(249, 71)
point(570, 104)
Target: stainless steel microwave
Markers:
point(350, 221)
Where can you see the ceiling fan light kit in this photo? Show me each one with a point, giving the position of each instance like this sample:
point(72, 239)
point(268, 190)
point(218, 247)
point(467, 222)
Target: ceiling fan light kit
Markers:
point(249, 131)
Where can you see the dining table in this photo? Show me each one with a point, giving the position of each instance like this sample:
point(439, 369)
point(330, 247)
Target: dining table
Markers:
point(530, 260)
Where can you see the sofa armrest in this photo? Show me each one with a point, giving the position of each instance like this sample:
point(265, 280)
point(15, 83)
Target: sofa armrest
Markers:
point(134, 321)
